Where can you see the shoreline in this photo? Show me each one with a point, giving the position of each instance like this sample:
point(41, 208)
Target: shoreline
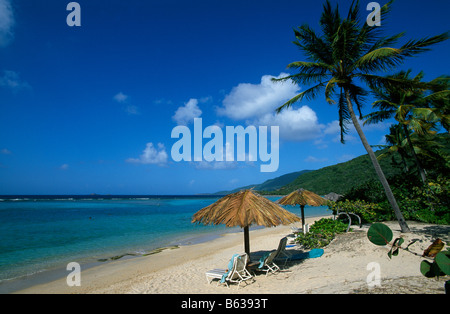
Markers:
point(25, 282)
point(342, 268)
point(151, 262)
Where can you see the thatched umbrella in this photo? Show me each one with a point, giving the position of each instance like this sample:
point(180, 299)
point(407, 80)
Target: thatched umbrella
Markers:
point(302, 197)
point(243, 209)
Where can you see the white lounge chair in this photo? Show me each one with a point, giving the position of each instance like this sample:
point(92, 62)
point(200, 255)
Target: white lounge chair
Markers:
point(281, 254)
point(267, 264)
point(236, 272)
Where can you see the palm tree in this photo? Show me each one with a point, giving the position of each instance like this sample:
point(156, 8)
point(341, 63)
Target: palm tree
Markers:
point(440, 100)
point(344, 53)
point(410, 107)
point(396, 143)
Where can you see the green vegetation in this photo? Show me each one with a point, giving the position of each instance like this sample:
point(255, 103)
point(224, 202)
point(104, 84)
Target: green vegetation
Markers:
point(380, 234)
point(321, 233)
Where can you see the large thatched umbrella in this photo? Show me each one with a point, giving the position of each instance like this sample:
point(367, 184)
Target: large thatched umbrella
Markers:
point(243, 209)
point(302, 197)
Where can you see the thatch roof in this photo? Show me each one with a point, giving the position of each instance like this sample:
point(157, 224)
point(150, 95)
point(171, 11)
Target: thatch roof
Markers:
point(332, 196)
point(302, 197)
point(243, 209)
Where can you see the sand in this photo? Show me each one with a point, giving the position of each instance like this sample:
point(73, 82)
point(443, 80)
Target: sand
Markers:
point(342, 269)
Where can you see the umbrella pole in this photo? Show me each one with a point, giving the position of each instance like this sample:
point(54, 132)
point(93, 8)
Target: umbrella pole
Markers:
point(247, 241)
point(302, 207)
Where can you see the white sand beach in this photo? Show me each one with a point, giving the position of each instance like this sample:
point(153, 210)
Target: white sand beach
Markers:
point(342, 269)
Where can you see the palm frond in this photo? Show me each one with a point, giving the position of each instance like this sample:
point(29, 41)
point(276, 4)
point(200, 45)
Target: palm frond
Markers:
point(443, 95)
point(387, 82)
point(414, 47)
point(310, 93)
point(357, 95)
point(426, 114)
point(330, 21)
point(310, 67)
point(302, 78)
point(380, 59)
point(402, 112)
point(329, 90)
point(385, 41)
point(378, 116)
point(312, 45)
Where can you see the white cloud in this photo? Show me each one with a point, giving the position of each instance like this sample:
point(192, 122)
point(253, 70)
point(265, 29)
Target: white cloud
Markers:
point(5, 151)
point(334, 130)
point(151, 155)
point(120, 97)
point(7, 22)
point(12, 81)
point(247, 101)
point(187, 113)
point(315, 159)
point(64, 167)
point(299, 124)
point(256, 104)
point(132, 110)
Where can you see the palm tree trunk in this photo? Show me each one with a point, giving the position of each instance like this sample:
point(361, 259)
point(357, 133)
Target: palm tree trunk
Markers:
point(390, 196)
point(411, 147)
point(405, 165)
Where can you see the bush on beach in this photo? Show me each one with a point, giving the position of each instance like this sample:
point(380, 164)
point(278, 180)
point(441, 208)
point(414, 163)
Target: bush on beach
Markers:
point(321, 233)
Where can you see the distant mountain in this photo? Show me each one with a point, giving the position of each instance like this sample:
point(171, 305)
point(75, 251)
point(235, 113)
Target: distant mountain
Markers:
point(340, 178)
point(269, 185)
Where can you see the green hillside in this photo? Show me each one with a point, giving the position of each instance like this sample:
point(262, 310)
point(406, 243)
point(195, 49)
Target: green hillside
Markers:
point(279, 182)
point(269, 185)
point(341, 177)
point(338, 178)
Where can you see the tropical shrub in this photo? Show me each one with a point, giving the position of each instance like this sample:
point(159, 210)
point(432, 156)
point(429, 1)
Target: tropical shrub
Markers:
point(368, 212)
point(426, 203)
point(370, 191)
point(321, 233)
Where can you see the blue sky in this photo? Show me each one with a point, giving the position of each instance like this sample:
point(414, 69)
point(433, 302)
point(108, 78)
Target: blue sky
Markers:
point(91, 109)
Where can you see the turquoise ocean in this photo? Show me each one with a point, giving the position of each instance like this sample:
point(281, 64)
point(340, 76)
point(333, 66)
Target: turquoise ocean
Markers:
point(40, 234)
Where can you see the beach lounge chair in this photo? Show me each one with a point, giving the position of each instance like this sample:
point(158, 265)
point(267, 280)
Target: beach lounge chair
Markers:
point(266, 264)
point(281, 254)
point(236, 272)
